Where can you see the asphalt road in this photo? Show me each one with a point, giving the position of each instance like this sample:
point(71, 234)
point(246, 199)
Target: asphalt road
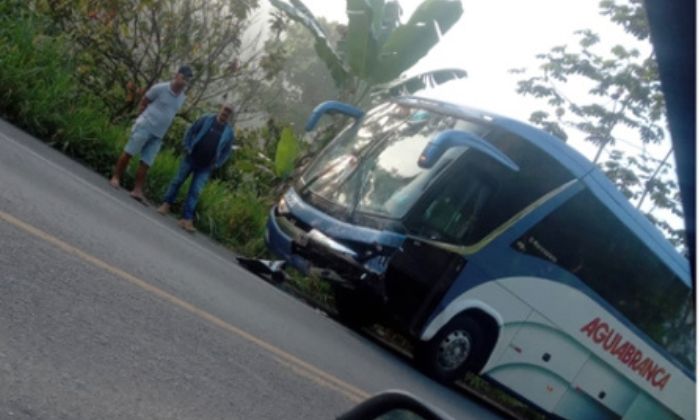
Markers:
point(110, 311)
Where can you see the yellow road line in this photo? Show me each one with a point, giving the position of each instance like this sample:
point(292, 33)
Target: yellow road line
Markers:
point(353, 393)
point(314, 378)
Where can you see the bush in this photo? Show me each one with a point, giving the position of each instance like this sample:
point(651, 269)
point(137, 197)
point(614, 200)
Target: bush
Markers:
point(235, 217)
point(160, 174)
point(40, 94)
point(176, 132)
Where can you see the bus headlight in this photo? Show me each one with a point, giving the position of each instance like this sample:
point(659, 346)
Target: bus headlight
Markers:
point(282, 207)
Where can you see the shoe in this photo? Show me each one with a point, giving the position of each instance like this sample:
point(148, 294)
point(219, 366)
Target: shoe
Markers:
point(164, 209)
point(187, 225)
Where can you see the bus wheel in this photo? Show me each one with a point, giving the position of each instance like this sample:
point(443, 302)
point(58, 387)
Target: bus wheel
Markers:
point(353, 309)
point(452, 351)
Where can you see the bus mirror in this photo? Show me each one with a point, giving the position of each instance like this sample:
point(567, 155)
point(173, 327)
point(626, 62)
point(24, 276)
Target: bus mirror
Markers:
point(453, 138)
point(394, 404)
point(331, 107)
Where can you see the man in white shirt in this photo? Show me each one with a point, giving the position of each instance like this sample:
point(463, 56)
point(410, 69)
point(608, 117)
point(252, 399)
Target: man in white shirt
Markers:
point(157, 111)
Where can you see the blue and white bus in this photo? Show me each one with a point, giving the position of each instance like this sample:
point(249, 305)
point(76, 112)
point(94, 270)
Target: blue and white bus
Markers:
point(498, 249)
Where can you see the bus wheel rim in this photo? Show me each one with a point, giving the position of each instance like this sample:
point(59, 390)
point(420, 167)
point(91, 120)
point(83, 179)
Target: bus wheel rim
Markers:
point(454, 350)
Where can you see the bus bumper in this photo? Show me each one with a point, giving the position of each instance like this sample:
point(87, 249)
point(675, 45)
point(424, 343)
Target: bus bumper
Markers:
point(314, 253)
point(280, 243)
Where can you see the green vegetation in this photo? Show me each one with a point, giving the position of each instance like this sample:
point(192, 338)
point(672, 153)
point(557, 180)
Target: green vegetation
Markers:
point(41, 94)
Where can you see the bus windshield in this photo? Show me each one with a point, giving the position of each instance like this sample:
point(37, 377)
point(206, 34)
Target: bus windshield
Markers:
point(372, 167)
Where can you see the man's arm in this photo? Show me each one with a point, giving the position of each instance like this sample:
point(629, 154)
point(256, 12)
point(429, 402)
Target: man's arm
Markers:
point(143, 104)
point(226, 152)
point(150, 96)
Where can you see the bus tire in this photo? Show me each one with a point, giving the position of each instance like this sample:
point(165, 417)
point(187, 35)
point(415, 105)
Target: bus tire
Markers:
point(351, 308)
point(453, 351)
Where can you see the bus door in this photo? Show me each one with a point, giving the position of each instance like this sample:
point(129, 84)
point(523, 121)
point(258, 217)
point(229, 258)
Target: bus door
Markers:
point(416, 279)
point(420, 272)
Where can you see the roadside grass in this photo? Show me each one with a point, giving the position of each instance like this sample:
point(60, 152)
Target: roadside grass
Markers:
point(234, 217)
point(159, 175)
point(316, 291)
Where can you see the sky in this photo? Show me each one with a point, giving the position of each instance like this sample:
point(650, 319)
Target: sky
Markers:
point(494, 36)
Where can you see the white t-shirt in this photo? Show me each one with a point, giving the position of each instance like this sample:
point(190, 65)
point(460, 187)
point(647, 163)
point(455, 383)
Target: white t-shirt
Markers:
point(161, 110)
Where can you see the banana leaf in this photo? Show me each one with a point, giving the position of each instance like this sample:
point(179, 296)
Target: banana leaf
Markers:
point(410, 85)
point(286, 154)
point(410, 42)
point(360, 44)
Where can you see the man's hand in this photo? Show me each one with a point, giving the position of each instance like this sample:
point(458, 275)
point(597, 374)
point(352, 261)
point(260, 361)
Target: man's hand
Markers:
point(143, 104)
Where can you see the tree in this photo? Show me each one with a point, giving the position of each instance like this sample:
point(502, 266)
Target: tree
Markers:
point(125, 46)
point(375, 47)
point(624, 99)
point(302, 80)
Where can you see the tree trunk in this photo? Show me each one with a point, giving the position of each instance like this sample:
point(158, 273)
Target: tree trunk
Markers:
point(600, 151)
point(656, 173)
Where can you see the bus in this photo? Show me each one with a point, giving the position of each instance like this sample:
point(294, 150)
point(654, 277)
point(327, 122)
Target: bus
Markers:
point(500, 250)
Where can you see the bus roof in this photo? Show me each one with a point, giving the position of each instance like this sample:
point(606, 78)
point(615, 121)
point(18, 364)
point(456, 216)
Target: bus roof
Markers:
point(581, 168)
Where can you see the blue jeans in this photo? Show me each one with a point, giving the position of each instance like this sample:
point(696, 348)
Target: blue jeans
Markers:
point(199, 179)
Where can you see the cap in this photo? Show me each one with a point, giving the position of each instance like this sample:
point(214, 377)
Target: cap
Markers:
point(186, 71)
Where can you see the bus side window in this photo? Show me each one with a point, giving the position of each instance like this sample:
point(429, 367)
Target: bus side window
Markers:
point(585, 238)
point(454, 210)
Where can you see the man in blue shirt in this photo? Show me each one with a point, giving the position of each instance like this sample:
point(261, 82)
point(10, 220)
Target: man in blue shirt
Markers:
point(208, 143)
point(157, 111)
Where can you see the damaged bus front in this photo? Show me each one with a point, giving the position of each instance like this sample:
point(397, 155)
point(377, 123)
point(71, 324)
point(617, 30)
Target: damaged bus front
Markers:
point(348, 218)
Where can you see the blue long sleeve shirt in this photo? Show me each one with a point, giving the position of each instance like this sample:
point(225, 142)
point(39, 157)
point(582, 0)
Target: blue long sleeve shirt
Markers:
point(200, 128)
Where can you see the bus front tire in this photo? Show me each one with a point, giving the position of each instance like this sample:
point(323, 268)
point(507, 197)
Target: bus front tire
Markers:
point(453, 351)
